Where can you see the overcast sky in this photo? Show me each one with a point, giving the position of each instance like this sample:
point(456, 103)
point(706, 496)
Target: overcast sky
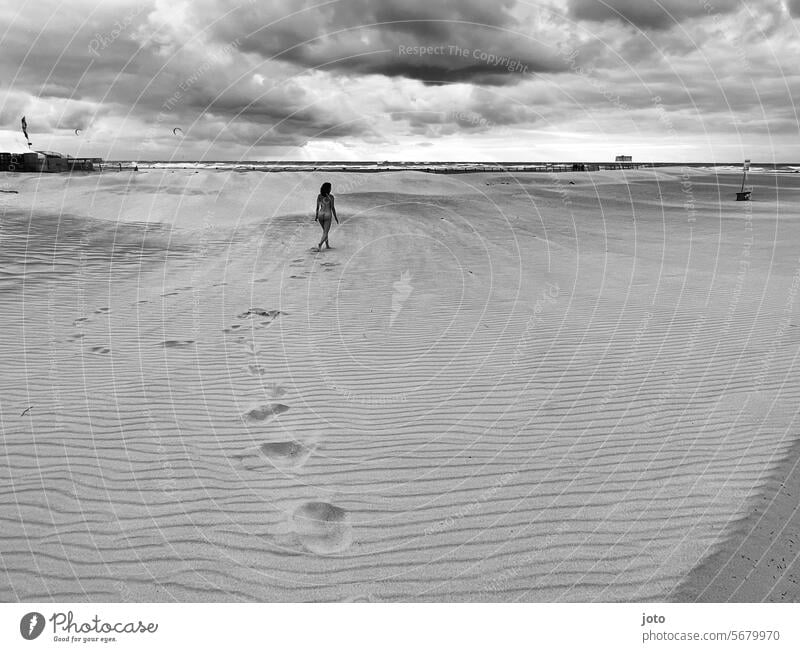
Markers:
point(665, 80)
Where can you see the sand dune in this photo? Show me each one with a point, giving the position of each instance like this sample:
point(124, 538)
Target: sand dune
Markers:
point(492, 388)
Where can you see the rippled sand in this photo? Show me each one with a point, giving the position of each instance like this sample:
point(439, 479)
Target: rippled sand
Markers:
point(492, 388)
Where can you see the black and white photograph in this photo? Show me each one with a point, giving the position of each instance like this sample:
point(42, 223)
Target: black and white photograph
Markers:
point(398, 301)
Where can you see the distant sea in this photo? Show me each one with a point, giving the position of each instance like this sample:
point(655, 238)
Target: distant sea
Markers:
point(437, 166)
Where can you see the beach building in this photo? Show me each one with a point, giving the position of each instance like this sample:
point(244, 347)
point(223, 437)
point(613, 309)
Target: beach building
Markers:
point(17, 156)
point(624, 161)
point(51, 162)
point(45, 162)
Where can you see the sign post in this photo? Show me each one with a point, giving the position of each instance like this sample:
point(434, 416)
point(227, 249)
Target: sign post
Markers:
point(744, 195)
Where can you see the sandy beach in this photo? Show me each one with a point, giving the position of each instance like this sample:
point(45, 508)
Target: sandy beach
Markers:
point(542, 387)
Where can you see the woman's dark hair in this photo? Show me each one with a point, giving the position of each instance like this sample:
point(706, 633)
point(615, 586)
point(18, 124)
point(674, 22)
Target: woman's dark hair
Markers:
point(325, 189)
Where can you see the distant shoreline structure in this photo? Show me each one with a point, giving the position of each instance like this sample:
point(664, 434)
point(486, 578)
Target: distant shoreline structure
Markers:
point(439, 167)
point(47, 162)
point(59, 163)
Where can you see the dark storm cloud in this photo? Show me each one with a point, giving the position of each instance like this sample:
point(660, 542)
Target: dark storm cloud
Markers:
point(275, 117)
point(437, 69)
point(89, 66)
point(60, 63)
point(344, 75)
point(434, 42)
point(654, 14)
point(484, 111)
point(254, 119)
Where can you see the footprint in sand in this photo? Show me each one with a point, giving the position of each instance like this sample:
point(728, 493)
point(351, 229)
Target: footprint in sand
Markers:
point(257, 369)
point(282, 455)
point(176, 344)
point(76, 337)
point(268, 316)
point(329, 264)
point(261, 312)
point(80, 321)
point(102, 311)
point(265, 412)
point(296, 276)
point(322, 528)
point(170, 294)
point(100, 350)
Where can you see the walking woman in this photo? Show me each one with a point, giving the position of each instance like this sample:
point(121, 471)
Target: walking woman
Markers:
point(325, 210)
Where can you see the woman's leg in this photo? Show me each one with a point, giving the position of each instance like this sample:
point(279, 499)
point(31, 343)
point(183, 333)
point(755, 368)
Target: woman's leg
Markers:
point(325, 228)
point(324, 233)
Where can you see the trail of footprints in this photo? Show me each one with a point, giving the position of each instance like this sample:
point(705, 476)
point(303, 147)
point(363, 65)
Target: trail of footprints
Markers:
point(300, 262)
point(80, 335)
point(318, 526)
point(262, 318)
point(81, 322)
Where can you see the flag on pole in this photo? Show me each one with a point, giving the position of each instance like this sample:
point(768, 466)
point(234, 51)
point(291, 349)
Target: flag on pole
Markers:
point(746, 164)
point(25, 129)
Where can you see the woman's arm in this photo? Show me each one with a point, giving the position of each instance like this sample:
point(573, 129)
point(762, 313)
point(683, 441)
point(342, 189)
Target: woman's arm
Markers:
point(333, 210)
point(316, 219)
